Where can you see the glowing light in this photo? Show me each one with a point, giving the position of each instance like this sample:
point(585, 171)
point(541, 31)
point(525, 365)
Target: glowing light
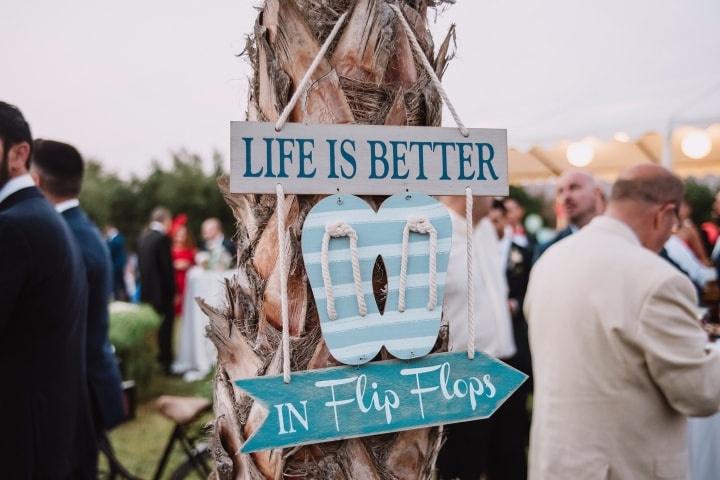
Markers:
point(696, 144)
point(580, 154)
point(533, 223)
point(621, 137)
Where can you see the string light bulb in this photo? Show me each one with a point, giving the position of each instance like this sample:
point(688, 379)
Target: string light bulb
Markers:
point(580, 154)
point(696, 144)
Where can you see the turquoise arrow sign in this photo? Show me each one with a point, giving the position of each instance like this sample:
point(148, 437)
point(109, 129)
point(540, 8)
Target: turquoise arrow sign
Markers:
point(378, 397)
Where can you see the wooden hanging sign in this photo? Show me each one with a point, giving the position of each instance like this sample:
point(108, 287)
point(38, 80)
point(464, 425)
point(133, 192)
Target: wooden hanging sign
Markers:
point(367, 159)
point(378, 397)
point(342, 239)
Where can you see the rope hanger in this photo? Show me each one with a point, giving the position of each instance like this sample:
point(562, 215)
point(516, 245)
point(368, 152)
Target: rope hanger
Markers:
point(423, 226)
point(338, 230)
point(282, 233)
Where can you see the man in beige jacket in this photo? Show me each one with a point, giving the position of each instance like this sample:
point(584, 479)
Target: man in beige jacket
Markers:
point(619, 355)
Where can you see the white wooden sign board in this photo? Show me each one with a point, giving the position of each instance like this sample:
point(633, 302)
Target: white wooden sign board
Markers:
point(367, 159)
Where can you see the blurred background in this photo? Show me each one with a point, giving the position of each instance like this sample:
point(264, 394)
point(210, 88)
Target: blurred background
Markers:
point(147, 90)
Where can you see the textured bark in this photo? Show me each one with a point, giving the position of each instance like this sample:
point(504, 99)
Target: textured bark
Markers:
point(369, 76)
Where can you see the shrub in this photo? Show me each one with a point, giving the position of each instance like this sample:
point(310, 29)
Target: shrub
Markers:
point(700, 198)
point(133, 330)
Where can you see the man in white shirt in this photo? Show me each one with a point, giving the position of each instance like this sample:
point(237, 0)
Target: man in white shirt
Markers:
point(216, 252)
point(465, 451)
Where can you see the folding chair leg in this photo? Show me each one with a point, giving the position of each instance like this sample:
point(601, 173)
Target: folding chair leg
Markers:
point(197, 463)
point(177, 433)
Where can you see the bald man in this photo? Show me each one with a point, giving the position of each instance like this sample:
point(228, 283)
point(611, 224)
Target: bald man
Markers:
point(619, 357)
point(582, 199)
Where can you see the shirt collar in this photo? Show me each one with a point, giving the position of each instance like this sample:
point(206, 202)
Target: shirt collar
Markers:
point(16, 184)
point(614, 225)
point(218, 241)
point(158, 227)
point(67, 205)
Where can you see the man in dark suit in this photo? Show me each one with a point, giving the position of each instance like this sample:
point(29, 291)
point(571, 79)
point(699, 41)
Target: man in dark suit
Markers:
point(581, 198)
point(58, 171)
point(44, 406)
point(157, 278)
point(118, 257)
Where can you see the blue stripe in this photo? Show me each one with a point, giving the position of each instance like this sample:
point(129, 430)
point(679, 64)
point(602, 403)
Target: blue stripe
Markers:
point(378, 233)
point(421, 328)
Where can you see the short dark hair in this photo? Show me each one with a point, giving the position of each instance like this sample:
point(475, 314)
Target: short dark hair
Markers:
point(14, 128)
point(61, 167)
point(160, 214)
point(499, 204)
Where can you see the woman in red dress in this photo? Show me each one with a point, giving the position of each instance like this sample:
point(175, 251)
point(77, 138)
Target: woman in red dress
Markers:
point(183, 256)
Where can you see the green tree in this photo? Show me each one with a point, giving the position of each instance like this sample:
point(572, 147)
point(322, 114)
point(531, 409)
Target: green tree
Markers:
point(700, 198)
point(184, 187)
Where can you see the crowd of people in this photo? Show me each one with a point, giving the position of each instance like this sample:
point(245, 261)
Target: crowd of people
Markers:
point(58, 274)
point(166, 251)
point(603, 319)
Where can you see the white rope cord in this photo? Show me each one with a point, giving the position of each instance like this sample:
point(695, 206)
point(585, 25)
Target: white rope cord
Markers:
point(429, 69)
point(308, 74)
point(282, 251)
point(470, 287)
point(423, 226)
point(337, 230)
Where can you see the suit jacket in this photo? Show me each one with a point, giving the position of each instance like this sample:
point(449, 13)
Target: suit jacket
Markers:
point(44, 407)
point(118, 257)
point(103, 373)
point(518, 274)
point(157, 277)
point(619, 359)
point(543, 247)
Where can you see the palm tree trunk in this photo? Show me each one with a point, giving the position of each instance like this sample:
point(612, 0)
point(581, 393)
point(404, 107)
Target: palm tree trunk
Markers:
point(369, 76)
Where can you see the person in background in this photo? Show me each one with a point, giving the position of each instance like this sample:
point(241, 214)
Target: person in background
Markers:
point(132, 277)
point(510, 425)
point(157, 279)
point(118, 257)
point(711, 229)
point(515, 216)
point(516, 262)
point(689, 234)
point(465, 452)
point(44, 406)
point(581, 198)
point(216, 251)
point(685, 251)
point(58, 171)
point(183, 257)
point(619, 356)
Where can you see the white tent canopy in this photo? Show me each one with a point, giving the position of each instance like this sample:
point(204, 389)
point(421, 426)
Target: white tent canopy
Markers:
point(547, 71)
point(612, 156)
point(554, 72)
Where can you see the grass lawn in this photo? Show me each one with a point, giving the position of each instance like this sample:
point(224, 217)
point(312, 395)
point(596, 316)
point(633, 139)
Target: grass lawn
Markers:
point(139, 443)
